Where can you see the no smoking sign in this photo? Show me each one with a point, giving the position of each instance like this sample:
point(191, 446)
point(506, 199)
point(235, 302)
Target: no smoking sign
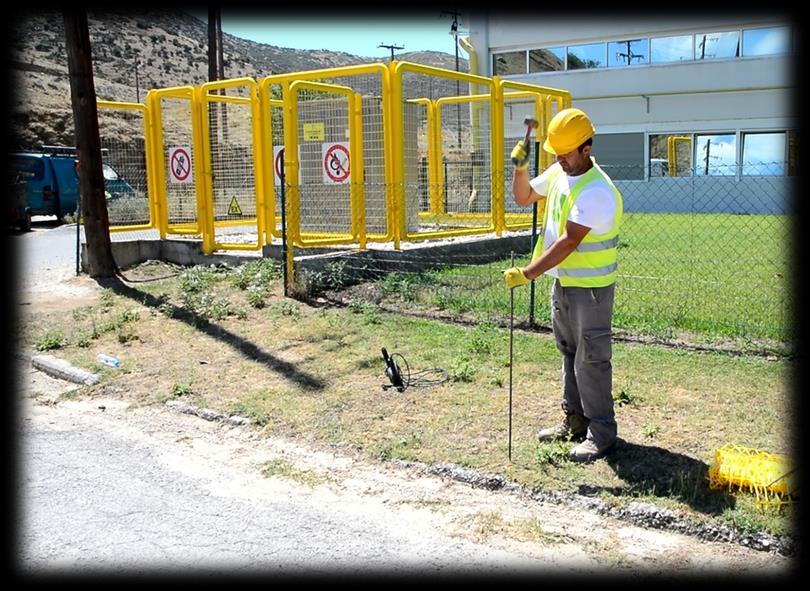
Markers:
point(336, 168)
point(180, 165)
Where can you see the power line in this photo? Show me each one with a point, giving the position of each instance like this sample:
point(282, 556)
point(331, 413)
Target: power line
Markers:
point(392, 48)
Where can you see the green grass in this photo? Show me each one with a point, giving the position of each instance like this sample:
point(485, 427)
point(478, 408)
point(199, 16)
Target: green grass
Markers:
point(703, 278)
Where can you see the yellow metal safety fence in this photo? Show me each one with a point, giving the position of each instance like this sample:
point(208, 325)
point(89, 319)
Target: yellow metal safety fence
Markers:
point(366, 156)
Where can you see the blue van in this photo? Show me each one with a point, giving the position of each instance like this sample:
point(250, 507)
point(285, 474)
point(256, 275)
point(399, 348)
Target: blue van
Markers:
point(52, 180)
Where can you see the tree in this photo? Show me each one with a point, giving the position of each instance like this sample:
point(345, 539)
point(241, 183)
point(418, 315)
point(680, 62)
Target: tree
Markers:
point(100, 262)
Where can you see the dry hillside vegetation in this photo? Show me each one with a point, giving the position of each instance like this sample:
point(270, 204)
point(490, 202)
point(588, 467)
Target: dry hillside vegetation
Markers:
point(168, 48)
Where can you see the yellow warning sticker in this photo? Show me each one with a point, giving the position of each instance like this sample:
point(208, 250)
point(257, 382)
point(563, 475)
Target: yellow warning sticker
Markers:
point(314, 132)
point(233, 208)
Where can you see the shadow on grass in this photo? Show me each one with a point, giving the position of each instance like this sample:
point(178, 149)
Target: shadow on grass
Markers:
point(651, 470)
point(245, 348)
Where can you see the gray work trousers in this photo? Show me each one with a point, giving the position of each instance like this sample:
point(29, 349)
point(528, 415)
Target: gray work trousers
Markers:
point(581, 320)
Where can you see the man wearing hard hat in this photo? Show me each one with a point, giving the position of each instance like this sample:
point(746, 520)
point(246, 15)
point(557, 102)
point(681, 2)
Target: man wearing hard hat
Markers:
point(581, 226)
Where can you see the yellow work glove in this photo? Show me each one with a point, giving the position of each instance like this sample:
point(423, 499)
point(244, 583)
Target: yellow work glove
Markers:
point(520, 155)
point(514, 277)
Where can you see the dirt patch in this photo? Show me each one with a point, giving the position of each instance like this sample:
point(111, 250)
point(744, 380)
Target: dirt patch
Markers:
point(55, 289)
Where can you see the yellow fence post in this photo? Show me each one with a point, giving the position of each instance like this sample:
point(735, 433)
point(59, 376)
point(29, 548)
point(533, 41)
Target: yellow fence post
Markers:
point(358, 172)
point(496, 147)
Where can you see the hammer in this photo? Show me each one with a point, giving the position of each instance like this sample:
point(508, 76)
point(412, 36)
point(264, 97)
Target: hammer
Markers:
point(530, 123)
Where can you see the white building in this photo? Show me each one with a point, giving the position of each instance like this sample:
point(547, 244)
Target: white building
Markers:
point(722, 86)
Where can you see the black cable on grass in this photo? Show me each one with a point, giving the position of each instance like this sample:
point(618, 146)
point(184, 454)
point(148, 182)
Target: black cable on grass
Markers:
point(401, 380)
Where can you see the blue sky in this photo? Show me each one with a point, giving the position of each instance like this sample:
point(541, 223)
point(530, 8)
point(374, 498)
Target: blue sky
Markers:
point(354, 33)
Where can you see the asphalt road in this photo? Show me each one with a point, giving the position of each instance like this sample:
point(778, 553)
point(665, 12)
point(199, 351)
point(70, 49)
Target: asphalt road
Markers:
point(96, 500)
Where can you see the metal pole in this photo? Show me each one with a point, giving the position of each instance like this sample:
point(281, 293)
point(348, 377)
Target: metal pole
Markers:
point(534, 232)
point(458, 91)
point(283, 223)
point(78, 232)
point(445, 184)
point(511, 339)
point(706, 169)
point(137, 87)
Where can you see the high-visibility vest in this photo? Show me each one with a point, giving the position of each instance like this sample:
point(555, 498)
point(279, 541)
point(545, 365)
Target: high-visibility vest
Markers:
point(593, 263)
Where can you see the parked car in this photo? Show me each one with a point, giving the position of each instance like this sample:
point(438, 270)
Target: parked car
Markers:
point(114, 186)
point(52, 180)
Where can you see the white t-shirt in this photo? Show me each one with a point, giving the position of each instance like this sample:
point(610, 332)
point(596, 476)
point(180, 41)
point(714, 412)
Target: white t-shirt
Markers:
point(595, 208)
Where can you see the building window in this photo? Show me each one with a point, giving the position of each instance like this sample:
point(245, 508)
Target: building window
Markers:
point(551, 59)
point(621, 155)
point(627, 53)
point(586, 56)
point(513, 62)
point(717, 45)
point(671, 49)
point(764, 154)
point(770, 41)
point(671, 155)
point(716, 155)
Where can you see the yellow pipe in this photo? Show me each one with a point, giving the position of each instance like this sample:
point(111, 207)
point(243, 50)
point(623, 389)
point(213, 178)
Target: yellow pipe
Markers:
point(291, 166)
point(149, 145)
point(434, 199)
point(496, 149)
point(268, 162)
point(203, 181)
point(259, 157)
point(358, 169)
point(439, 168)
point(122, 105)
point(397, 143)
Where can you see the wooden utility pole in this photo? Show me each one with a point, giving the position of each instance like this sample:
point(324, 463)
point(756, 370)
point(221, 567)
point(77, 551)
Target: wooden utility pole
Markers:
point(100, 262)
point(223, 107)
point(213, 68)
point(216, 71)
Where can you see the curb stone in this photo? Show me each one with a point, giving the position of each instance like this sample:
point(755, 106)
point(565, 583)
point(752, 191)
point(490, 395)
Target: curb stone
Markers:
point(59, 368)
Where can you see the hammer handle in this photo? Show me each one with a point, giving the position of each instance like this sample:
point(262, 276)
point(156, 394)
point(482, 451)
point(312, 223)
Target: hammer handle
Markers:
point(528, 133)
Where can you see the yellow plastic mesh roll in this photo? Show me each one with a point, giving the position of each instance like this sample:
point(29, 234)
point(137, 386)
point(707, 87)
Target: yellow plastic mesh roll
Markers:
point(771, 477)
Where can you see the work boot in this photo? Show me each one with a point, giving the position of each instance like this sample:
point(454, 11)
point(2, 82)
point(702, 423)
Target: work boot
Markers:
point(588, 451)
point(574, 427)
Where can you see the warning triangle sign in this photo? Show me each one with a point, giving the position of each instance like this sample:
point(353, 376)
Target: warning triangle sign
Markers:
point(233, 208)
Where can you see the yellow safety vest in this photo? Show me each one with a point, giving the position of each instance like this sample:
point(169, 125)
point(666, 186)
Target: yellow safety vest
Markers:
point(593, 263)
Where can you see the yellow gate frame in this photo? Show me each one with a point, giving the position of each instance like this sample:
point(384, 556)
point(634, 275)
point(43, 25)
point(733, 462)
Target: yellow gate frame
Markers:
point(356, 189)
point(153, 99)
point(154, 207)
point(204, 96)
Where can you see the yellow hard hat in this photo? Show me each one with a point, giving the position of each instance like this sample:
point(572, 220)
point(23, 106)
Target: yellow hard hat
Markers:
point(567, 130)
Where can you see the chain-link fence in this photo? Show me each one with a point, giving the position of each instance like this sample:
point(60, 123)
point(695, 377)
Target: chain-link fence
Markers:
point(703, 260)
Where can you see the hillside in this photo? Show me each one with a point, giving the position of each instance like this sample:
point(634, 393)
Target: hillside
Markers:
point(168, 48)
